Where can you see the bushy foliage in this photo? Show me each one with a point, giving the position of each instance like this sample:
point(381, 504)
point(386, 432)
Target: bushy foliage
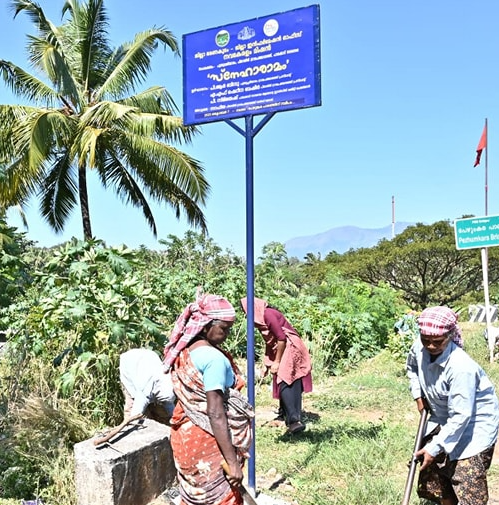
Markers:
point(84, 303)
point(85, 307)
point(422, 264)
point(345, 322)
point(402, 337)
point(13, 268)
point(20, 476)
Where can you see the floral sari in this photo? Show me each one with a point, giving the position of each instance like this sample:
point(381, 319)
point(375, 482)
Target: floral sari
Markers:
point(195, 449)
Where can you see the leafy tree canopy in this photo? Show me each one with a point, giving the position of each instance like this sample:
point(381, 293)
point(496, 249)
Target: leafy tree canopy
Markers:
point(85, 113)
point(422, 263)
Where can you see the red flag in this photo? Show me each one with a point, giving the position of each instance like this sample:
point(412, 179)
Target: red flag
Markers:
point(481, 146)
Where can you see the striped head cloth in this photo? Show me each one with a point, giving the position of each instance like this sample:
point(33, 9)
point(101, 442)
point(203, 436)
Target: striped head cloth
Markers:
point(439, 321)
point(193, 319)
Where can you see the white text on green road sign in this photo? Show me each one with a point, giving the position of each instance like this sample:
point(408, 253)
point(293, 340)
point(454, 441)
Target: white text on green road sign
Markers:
point(477, 232)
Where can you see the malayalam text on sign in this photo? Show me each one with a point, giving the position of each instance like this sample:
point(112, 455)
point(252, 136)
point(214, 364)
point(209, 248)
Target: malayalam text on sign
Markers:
point(258, 66)
point(477, 232)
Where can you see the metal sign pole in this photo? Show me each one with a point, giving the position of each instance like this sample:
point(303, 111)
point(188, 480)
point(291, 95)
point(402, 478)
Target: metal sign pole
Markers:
point(249, 133)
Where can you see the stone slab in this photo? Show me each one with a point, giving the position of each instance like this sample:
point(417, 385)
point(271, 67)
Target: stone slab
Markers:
point(133, 468)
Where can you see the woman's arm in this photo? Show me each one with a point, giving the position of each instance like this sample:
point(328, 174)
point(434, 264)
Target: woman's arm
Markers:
point(412, 369)
point(220, 427)
point(275, 320)
point(281, 345)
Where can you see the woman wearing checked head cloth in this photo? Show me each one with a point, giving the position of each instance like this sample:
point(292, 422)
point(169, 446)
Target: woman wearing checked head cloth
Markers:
point(211, 421)
point(439, 321)
point(464, 413)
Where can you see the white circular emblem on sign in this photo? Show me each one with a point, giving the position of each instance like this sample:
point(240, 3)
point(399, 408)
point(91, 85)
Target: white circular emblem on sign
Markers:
point(270, 27)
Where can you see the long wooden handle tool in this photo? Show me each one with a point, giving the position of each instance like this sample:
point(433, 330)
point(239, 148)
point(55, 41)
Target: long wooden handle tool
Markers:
point(116, 430)
point(412, 467)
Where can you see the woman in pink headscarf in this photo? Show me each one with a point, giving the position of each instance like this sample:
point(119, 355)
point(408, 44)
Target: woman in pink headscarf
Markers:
point(211, 421)
point(287, 358)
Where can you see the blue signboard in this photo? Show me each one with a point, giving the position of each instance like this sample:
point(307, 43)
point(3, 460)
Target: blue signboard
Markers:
point(263, 65)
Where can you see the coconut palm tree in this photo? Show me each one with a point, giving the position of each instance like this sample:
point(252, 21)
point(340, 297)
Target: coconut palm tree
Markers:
point(85, 113)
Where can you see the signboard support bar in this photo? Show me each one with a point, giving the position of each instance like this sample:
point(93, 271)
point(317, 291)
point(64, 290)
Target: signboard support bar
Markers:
point(253, 131)
point(249, 133)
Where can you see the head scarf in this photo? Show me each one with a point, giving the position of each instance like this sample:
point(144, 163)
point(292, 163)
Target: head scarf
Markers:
point(259, 307)
point(439, 321)
point(193, 319)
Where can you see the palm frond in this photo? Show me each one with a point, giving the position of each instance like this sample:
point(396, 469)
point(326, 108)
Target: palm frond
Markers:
point(44, 133)
point(107, 114)
point(54, 64)
point(26, 85)
point(154, 114)
point(126, 188)
point(34, 136)
point(22, 214)
point(16, 190)
point(19, 179)
point(158, 165)
point(146, 165)
point(181, 202)
point(87, 145)
point(46, 51)
point(58, 193)
point(37, 17)
point(155, 100)
point(131, 62)
point(116, 175)
point(163, 126)
point(87, 39)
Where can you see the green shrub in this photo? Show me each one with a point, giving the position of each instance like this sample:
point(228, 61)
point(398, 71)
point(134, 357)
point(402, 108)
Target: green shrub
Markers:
point(20, 476)
point(402, 337)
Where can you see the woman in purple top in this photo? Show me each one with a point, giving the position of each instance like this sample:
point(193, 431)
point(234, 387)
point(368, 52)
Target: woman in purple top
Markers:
point(287, 359)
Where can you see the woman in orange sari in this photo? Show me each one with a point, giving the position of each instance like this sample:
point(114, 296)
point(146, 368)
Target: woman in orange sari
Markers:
point(288, 360)
point(211, 421)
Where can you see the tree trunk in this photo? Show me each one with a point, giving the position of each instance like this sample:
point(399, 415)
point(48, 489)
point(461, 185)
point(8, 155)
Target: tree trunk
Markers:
point(85, 211)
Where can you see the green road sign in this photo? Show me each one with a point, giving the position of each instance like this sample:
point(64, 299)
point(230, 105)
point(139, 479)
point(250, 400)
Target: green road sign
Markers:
point(477, 232)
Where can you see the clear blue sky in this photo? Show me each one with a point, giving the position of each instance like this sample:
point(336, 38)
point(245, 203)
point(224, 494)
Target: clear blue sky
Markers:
point(406, 88)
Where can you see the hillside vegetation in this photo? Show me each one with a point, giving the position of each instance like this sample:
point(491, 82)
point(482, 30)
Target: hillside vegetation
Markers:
point(67, 313)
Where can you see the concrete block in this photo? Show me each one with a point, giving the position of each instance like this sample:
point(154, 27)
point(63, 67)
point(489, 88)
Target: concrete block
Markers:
point(134, 468)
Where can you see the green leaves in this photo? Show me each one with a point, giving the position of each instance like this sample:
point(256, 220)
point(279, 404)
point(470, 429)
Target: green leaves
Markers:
point(421, 263)
point(84, 303)
point(86, 114)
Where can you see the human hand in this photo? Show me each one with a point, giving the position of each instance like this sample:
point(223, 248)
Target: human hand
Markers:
point(427, 458)
point(275, 367)
point(233, 473)
point(420, 404)
point(240, 383)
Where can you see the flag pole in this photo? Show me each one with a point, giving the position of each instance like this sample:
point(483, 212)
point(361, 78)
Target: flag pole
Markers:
point(484, 251)
point(486, 169)
point(485, 254)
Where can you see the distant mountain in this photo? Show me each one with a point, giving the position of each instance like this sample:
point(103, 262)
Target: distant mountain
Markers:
point(340, 239)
